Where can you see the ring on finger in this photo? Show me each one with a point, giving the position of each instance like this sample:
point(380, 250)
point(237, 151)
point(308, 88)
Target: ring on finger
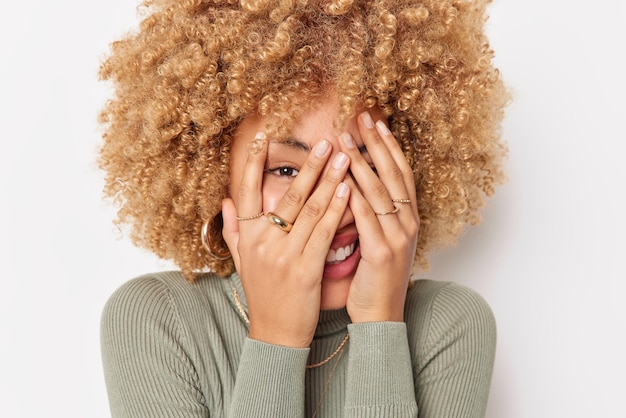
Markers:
point(249, 218)
point(401, 200)
point(279, 222)
point(395, 210)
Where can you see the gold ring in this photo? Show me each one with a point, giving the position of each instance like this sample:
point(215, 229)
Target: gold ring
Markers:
point(249, 218)
point(279, 222)
point(401, 200)
point(395, 209)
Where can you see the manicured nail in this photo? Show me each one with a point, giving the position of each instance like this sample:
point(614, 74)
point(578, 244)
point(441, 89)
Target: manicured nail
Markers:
point(347, 140)
point(340, 160)
point(367, 120)
point(321, 148)
point(342, 189)
point(382, 128)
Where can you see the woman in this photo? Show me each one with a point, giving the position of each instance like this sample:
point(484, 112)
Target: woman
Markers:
point(298, 160)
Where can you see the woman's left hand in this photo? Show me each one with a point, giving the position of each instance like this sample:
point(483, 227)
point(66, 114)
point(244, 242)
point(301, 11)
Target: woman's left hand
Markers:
point(387, 240)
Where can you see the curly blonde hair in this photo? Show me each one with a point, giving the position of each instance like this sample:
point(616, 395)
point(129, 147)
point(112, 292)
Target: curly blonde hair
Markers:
point(195, 68)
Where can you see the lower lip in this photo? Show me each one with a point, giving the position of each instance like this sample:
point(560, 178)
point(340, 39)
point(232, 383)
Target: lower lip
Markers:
point(344, 268)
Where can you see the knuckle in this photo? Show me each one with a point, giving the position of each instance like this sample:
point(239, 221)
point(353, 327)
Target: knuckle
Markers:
point(312, 209)
point(292, 197)
point(412, 231)
point(379, 189)
point(394, 173)
point(249, 248)
point(266, 251)
point(324, 234)
point(311, 165)
point(332, 181)
point(376, 139)
point(281, 260)
point(356, 157)
point(244, 191)
point(332, 177)
point(401, 242)
point(364, 211)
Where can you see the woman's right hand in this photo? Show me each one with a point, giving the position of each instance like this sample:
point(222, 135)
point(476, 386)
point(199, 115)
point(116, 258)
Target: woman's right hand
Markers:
point(281, 272)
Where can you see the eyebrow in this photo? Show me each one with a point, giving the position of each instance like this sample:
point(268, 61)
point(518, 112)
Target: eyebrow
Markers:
point(294, 143)
point(301, 146)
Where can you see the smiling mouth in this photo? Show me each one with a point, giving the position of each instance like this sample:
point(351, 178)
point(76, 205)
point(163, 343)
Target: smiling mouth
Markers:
point(340, 254)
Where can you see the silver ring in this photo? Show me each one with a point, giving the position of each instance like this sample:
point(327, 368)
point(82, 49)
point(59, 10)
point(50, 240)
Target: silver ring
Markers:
point(395, 209)
point(249, 218)
point(279, 222)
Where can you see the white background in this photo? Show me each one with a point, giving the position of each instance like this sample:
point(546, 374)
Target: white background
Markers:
point(547, 256)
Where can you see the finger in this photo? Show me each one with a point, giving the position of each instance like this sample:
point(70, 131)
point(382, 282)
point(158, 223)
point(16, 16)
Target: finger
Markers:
point(401, 162)
point(389, 172)
point(370, 184)
point(317, 205)
point(322, 236)
point(370, 229)
point(230, 231)
point(300, 189)
point(250, 197)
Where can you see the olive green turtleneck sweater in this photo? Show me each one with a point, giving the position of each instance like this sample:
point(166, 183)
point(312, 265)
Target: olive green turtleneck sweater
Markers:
point(174, 349)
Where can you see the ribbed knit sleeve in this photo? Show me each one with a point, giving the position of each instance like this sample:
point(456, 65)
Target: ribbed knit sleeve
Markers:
point(147, 371)
point(455, 351)
point(379, 380)
point(270, 381)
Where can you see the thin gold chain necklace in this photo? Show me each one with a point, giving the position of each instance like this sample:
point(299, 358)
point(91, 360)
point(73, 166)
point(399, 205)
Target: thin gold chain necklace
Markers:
point(339, 349)
point(326, 385)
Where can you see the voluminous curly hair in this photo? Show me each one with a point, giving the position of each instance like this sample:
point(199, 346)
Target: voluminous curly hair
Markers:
point(195, 68)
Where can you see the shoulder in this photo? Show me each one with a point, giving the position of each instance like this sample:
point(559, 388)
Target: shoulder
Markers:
point(438, 310)
point(446, 299)
point(160, 286)
point(157, 296)
point(149, 290)
point(149, 353)
point(140, 301)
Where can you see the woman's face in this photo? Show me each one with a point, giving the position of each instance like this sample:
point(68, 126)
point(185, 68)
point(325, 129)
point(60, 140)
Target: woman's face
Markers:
point(283, 162)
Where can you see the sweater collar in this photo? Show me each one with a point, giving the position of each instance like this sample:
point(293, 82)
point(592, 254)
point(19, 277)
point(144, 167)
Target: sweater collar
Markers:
point(329, 323)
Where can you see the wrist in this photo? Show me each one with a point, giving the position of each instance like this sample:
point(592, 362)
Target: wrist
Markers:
point(362, 316)
point(274, 337)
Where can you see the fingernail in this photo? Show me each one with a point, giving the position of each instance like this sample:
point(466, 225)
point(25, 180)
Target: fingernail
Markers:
point(347, 140)
point(342, 189)
point(321, 148)
point(367, 120)
point(382, 128)
point(340, 161)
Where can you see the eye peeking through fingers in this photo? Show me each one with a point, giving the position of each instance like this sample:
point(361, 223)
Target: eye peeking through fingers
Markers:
point(282, 171)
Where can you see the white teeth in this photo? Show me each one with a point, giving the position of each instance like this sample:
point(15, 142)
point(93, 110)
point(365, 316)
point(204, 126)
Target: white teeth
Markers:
point(340, 254)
